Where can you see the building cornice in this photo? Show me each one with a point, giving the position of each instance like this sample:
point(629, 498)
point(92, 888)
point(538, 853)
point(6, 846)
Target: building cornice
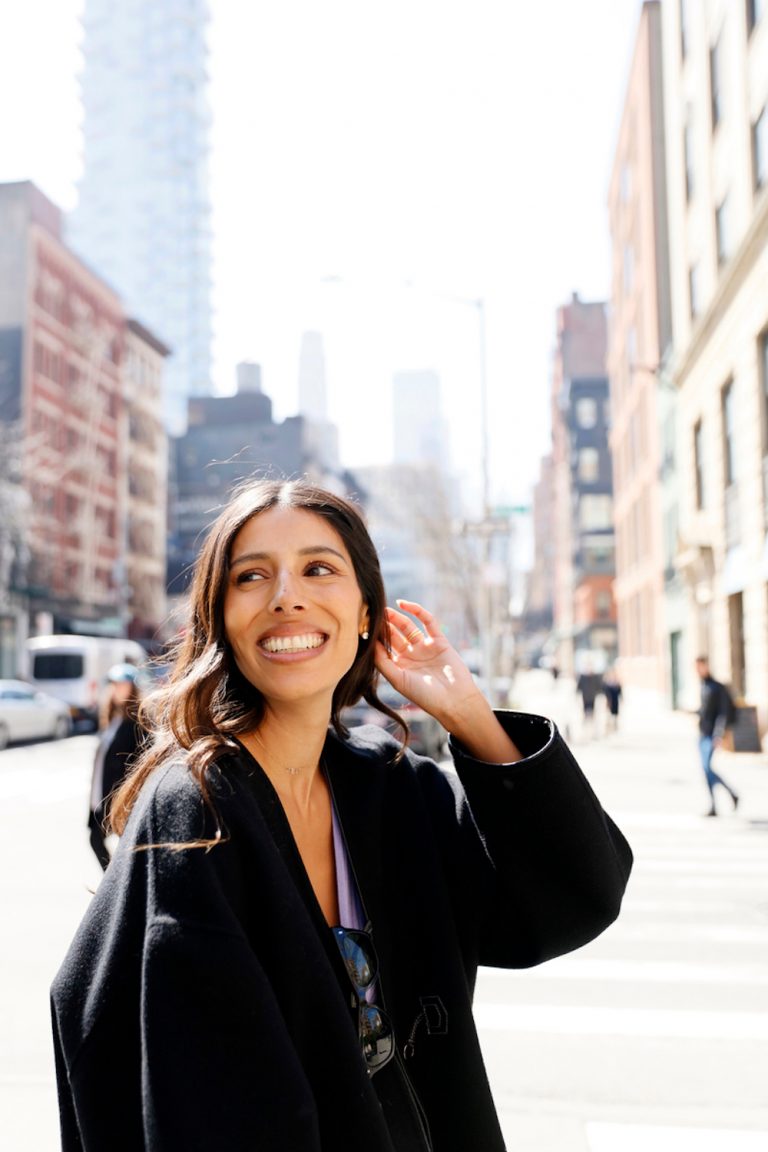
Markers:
point(147, 337)
point(733, 277)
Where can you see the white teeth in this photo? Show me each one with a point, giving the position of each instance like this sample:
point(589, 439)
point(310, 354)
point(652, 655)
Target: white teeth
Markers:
point(292, 643)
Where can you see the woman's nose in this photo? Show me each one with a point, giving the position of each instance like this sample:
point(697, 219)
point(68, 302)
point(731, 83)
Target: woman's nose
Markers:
point(287, 595)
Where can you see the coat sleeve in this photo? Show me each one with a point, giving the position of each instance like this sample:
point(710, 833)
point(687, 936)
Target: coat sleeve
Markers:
point(559, 864)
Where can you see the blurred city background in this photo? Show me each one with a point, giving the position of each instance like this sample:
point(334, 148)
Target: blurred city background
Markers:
point(501, 274)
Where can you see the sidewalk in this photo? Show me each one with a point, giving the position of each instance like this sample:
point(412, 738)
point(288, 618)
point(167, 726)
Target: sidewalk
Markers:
point(653, 1035)
point(652, 759)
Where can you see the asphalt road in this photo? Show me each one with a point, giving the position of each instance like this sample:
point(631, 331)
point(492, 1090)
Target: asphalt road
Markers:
point(655, 1036)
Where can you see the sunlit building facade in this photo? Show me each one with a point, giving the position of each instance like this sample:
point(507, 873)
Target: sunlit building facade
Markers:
point(70, 399)
point(584, 609)
point(716, 101)
point(143, 217)
point(146, 475)
point(639, 335)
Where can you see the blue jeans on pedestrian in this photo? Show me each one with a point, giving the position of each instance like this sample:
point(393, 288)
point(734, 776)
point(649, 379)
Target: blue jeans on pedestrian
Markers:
point(706, 748)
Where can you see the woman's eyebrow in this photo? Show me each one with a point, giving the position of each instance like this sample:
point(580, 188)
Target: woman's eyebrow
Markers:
point(313, 550)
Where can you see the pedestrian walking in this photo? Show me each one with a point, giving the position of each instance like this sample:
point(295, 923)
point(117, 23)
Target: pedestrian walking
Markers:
point(715, 715)
point(119, 741)
point(612, 691)
point(282, 953)
point(588, 686)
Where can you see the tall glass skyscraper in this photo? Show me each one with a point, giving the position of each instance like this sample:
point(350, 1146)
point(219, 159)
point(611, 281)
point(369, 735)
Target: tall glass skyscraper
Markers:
point(143, 217)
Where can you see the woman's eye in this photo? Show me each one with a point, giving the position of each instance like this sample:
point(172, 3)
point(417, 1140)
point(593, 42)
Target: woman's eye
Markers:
point(248, 577)
point(319, 569)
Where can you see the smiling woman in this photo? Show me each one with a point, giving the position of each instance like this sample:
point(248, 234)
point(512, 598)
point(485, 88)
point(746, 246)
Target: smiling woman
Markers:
point(289, 932)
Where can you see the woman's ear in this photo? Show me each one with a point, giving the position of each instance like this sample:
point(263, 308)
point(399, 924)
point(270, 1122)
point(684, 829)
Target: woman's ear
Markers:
point(365, 623)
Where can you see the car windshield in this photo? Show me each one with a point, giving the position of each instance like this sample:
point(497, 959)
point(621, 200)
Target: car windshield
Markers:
point(57, 666)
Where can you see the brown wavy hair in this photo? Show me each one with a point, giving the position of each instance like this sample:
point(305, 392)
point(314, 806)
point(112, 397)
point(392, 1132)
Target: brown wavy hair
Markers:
point(206, 700)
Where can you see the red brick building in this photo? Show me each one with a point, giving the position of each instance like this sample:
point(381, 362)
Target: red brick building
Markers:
point(62, 345)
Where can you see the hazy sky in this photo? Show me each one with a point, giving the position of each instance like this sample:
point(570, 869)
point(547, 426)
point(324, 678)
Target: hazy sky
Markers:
point(372, 167)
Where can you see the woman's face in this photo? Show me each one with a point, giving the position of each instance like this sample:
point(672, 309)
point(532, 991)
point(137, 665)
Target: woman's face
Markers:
point(293, 610)
point(122, 691)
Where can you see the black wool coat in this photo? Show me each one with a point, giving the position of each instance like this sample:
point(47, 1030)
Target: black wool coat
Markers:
point(118, 757)
point(203, 1004)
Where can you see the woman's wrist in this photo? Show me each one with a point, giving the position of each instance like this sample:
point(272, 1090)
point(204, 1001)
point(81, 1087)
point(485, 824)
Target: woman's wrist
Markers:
point(479, 732)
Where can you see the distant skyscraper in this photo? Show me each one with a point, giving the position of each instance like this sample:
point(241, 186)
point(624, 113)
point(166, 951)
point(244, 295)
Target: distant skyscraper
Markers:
point(419, 430)
point(313, 396)
point(142, 221)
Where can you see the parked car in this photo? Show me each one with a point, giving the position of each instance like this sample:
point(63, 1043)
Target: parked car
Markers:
point(427, 736)
point(26, 714)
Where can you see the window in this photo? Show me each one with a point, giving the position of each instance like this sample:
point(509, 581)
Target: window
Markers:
point(589, 465)
point(698, 463)
point(760, 150)
point(586, 412)
point(603, 604)
point(694, 303)
point(722, 232)
point(755, 11)
point(631, 351)
point(595, 512)
point(729, 445)
point(670, 538)
point(57, 666)
point(688, 159)
point(684, 36)
point(629, 269)
point(715, 82)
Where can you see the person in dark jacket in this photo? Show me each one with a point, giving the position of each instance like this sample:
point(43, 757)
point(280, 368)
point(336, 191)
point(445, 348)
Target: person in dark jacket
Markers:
point(119, 741)
point(588, 686)
point(283, 952)
point(611, 689)
point(713, 713)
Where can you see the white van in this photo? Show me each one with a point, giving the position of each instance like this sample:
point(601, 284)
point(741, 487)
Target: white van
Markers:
point(74, 668)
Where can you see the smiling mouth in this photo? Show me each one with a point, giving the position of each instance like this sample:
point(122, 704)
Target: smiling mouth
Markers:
point(292, 643)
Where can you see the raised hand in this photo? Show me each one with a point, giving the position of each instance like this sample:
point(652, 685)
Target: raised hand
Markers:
point(422, 665)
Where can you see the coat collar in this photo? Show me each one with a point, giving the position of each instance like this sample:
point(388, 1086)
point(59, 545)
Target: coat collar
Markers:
point(356, 770)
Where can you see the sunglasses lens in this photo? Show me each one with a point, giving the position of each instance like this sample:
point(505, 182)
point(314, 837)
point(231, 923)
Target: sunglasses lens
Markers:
point(377, 1039)
point(357, 958)
point(376, 1036)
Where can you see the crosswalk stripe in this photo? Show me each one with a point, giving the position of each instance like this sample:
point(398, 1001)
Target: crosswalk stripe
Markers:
point(634, 972)
point(567, 1020)
point(641, 1137)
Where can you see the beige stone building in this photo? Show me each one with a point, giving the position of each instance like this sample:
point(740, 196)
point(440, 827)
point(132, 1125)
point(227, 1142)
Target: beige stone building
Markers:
point(716, 119)
point(639, 333)
point(146, 482)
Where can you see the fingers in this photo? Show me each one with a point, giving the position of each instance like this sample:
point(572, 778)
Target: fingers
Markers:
point(407, 628)
point(405, 632)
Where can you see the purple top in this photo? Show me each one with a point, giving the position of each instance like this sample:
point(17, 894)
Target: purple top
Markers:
point(351, 914)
